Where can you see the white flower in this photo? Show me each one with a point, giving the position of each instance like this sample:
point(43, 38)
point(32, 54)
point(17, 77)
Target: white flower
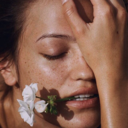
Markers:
point(40, 106)
point(26, 111)
point(29, 92)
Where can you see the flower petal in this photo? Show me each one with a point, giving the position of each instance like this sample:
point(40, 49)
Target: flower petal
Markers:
point(28, 119)
point(22, 103)
point(31, 105)
point(26, 111)
point(29, 92)
point(40, 106)
point(34, 87)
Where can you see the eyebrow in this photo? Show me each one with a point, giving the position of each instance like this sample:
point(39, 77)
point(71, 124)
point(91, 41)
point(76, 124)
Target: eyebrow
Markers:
point(54, 35)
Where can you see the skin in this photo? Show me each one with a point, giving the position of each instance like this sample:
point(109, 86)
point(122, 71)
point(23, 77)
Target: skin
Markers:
point(72, 72)
point(109, 50)
point(61, 77)
point(2, 86)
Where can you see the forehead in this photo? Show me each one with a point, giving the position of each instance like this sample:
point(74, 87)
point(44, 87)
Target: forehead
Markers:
point(46, 16)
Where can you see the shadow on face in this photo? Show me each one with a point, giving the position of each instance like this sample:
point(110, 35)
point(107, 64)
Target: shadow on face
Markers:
point(51, 57)
point(65, 112)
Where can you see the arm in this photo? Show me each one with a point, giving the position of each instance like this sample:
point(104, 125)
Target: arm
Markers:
point(104, 45)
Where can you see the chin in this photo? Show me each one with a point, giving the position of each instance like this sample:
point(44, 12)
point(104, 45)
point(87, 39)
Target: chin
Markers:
point(88, 119)
point(81, 124)
point(87, 123)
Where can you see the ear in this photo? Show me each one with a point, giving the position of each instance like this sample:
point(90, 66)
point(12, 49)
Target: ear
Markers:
point(9, 73)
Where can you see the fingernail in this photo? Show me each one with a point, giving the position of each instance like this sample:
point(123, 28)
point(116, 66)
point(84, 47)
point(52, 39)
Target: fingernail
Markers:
point(64, 1)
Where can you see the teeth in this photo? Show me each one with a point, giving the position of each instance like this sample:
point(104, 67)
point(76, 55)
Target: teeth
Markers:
point(76, 96)
point(87, 95)
point(84, 96)
point(77, 99)
point(80, 99)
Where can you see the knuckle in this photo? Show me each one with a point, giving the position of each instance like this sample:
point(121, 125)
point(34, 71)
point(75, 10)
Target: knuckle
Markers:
point(122, 14)
point(108, 11)
point(70, 10)
point(80, 31)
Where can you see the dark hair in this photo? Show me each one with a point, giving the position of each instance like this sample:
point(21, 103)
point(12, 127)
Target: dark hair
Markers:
point(12, 17)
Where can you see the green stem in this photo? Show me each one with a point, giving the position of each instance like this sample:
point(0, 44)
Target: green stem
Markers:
point(59, 100)
point(65, 99)
point(40, 98)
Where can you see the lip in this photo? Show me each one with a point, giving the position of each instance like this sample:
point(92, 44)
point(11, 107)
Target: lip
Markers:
point(89, 90)
point(85, 104)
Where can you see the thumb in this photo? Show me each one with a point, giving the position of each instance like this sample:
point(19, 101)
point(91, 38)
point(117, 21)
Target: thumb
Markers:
point(75, 21)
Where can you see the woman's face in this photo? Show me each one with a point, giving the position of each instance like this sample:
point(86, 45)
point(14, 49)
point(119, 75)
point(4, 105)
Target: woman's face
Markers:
point(49, 55)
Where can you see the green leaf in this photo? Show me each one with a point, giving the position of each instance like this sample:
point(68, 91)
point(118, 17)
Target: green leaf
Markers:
point(52, 103)
point(47, 110)
point(53, 97)
point(53, 110)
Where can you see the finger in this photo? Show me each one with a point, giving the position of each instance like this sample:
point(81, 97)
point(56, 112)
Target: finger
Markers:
point(99, 3)
point(100, 6)
point(77, 24)
point(120, 7)
point(122, 15)
point(118, 3)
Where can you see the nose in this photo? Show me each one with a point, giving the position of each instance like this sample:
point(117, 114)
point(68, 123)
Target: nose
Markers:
point(81, 70)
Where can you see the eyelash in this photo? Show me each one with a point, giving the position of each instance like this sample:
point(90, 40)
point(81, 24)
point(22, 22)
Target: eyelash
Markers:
point(49, 57)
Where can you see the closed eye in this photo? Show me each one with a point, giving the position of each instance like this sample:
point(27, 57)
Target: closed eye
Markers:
point(49, 57)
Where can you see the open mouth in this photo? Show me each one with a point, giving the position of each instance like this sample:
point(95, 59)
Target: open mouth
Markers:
point(84, 97)
point(83, 101)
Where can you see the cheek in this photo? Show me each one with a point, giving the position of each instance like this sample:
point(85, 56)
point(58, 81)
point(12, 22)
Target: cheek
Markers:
point(49, 75)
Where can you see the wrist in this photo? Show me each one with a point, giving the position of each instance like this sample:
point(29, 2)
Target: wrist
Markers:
point(113, 102)
point(109, 83)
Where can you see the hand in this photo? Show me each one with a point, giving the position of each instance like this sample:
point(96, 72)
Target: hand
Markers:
point(104, 44)
point(104, 41)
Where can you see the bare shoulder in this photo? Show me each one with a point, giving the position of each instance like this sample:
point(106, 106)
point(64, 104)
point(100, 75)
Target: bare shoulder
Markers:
point(2, 124)
point(5, 105)
point(0, 113)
